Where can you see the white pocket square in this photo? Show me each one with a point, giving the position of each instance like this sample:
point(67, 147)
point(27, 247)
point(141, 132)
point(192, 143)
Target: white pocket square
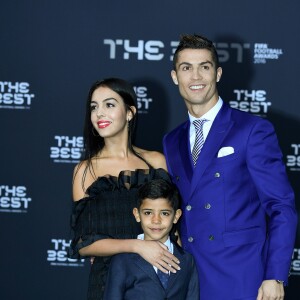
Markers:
point(225, 151)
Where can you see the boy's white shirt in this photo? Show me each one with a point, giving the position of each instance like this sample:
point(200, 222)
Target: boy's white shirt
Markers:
point(167, 243)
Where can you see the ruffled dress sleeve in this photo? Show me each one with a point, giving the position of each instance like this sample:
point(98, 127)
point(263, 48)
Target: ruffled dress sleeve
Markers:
point(83, 232)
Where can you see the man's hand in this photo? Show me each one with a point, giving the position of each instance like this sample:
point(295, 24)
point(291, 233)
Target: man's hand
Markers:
point(270, 290)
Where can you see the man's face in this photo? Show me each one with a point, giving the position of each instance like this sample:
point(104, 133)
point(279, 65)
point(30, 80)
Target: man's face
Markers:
point(196, 77)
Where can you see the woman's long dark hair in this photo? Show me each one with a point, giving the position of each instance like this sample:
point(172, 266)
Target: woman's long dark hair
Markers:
point(93, 142)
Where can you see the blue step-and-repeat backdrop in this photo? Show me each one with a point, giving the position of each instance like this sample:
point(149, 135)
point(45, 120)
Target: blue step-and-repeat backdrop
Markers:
point(50, 54)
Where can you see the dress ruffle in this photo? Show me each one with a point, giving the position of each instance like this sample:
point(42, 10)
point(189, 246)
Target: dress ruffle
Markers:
point(125, 181)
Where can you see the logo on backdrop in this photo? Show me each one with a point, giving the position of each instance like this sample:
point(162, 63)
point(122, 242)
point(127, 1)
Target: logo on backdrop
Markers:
point(14, 199)
point(143, 100)
point(262, 52)
point(253, 101)
point(66, 149)
point(293, 159)
point(231, 51)
point(57, 254)
point(15, 95)
point(141, 50)
point(156, 50)
point(295, 266)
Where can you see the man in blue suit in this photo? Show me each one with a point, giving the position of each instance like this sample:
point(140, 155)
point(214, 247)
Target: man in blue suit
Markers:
point(239, 217)
point(131, 277)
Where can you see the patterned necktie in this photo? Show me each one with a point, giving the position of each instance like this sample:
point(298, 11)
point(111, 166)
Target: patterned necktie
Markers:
point(163, 277)
point(199, 140)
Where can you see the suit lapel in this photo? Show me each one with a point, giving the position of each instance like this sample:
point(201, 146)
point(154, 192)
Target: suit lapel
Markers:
point(174, 276)
point(146, 268)
point(219, 130)
point(149, 270)
point(184, 150)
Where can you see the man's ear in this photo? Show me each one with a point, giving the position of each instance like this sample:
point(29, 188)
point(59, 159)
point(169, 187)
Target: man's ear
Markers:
point(177, 216)
point(136, 214)
point(174, 77)
point(219, 74)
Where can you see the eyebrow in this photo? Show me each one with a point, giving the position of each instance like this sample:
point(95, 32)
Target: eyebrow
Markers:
point(105, 100)
point(169, 210)
point(201, 64)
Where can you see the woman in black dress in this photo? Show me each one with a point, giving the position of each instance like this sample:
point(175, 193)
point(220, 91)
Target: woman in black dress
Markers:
point(105, 183)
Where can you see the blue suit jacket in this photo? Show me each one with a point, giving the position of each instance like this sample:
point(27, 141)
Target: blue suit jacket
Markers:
point(239, 218)
point(130, 277)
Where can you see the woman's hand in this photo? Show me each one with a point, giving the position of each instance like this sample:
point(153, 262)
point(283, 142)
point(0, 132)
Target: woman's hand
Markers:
point(158, 255)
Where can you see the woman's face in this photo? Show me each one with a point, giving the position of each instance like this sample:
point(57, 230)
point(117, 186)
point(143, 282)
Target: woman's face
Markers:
point(108, 113)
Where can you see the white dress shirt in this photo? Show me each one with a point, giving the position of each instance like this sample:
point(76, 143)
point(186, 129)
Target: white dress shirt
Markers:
point(209, 116)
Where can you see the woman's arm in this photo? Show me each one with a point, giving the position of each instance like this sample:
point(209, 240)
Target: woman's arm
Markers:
point(154, 252)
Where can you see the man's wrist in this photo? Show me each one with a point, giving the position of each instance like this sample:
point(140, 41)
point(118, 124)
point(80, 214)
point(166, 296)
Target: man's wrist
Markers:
point(279, 281)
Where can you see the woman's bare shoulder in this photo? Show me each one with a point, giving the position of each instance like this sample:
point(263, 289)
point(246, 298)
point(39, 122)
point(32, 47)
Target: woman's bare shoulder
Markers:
point(79, 169)
point(155, 158)
point(81, 180)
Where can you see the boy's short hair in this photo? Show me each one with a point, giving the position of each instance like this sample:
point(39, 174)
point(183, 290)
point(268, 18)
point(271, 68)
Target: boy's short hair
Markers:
point(159, 188)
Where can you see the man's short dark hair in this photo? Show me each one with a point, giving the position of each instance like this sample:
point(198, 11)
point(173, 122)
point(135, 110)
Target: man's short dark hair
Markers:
point(194, 41)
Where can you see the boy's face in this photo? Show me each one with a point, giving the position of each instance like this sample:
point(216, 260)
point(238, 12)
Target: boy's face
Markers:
point(157, 218)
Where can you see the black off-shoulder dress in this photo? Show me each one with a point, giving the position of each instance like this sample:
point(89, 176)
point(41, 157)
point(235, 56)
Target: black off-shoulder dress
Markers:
point(107, 213)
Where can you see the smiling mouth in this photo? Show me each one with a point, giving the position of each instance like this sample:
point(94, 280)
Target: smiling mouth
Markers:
point(197, 87)
point(156, 229)
point(103, 124)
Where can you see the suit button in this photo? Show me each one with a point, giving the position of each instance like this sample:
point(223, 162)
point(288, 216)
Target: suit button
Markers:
point(217, 175)
point(211, 238)
point(190, 239)
point(188, 207)
point(207, 206)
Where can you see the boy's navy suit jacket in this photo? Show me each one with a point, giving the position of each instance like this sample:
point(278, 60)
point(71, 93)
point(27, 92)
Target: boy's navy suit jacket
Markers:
point(131, 277)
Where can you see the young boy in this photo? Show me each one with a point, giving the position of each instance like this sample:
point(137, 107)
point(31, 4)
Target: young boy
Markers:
point(130, 276)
